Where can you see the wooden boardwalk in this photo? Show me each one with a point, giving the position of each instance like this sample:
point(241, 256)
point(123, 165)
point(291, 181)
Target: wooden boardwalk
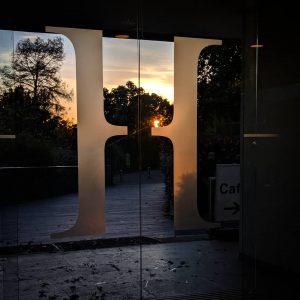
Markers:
point(33, 222)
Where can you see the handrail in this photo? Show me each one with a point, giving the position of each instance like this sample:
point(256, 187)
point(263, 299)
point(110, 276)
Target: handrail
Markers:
point(37, 167)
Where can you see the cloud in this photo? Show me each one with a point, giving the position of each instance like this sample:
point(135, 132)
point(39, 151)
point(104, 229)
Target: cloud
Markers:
point(6, 46)
point(120, 63)
point(5, 57)
point(26, 36)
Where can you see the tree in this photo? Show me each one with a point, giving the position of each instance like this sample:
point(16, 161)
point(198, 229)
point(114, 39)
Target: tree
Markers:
point(33, 87)
point(121, 107)
point(219, 109)
point(30, 102)
point(219, 89)
point(35, 66)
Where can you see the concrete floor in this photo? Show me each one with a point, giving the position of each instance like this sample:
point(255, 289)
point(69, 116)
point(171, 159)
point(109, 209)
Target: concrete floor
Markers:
point(167, 270)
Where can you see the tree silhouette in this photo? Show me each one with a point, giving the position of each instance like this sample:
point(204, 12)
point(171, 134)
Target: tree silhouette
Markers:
point(219, 90)
point(121, 107)
point(33, 87)
point(30, 102)
point(219, 110)
point(35, 66)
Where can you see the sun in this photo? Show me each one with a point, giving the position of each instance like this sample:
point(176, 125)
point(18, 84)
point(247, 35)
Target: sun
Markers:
point(156, 123)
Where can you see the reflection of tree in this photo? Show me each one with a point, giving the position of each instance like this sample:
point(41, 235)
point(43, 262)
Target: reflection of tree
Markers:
point(219, 109)
point(219, 98)
point(219, 83)
point(121, 108)
point(30, 104)
point(35, 66)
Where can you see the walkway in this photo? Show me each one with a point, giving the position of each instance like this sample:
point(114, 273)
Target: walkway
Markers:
point(33, 222)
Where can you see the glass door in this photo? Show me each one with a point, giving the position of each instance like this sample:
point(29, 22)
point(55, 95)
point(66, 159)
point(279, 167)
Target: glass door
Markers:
point(153, 159)
point(70, 209)
point(197, 204)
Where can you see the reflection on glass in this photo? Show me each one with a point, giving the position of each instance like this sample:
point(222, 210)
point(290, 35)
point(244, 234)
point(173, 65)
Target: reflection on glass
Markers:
point(121, 101)
point(37, 105)
point(41, 111)
point(37, 101)
point(120, 65)
point(219, 109)
point(121, 153)
point(196, 264)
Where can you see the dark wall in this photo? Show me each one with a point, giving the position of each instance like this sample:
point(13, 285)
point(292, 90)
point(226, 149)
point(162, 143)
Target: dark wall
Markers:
point(270, 174)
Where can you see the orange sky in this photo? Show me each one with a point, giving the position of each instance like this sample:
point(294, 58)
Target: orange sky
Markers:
point(120, 64)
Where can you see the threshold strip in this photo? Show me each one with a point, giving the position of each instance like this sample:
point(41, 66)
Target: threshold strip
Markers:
point(261, 135)
point(7, 136)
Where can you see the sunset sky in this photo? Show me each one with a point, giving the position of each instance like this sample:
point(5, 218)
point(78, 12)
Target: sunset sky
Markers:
point(120, 64)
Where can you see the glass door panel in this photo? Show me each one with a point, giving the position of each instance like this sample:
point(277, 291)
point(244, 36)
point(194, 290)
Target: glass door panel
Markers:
point(196, 261)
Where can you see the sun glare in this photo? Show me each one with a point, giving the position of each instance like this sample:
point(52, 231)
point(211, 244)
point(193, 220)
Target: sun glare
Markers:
point(156, 123)
point(164, 89)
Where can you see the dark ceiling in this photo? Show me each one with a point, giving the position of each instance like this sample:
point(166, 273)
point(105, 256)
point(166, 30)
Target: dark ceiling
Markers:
point(156, 19)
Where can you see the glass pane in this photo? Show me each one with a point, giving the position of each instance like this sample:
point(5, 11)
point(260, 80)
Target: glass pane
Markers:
point(219, 109)
point(157, 81)
point(270, 227)
point(150, 160)
point(200, 262)
point(42, 166)
point(44, 169)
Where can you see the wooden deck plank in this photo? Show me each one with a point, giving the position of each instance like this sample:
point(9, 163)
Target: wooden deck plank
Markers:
point(33, 222)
